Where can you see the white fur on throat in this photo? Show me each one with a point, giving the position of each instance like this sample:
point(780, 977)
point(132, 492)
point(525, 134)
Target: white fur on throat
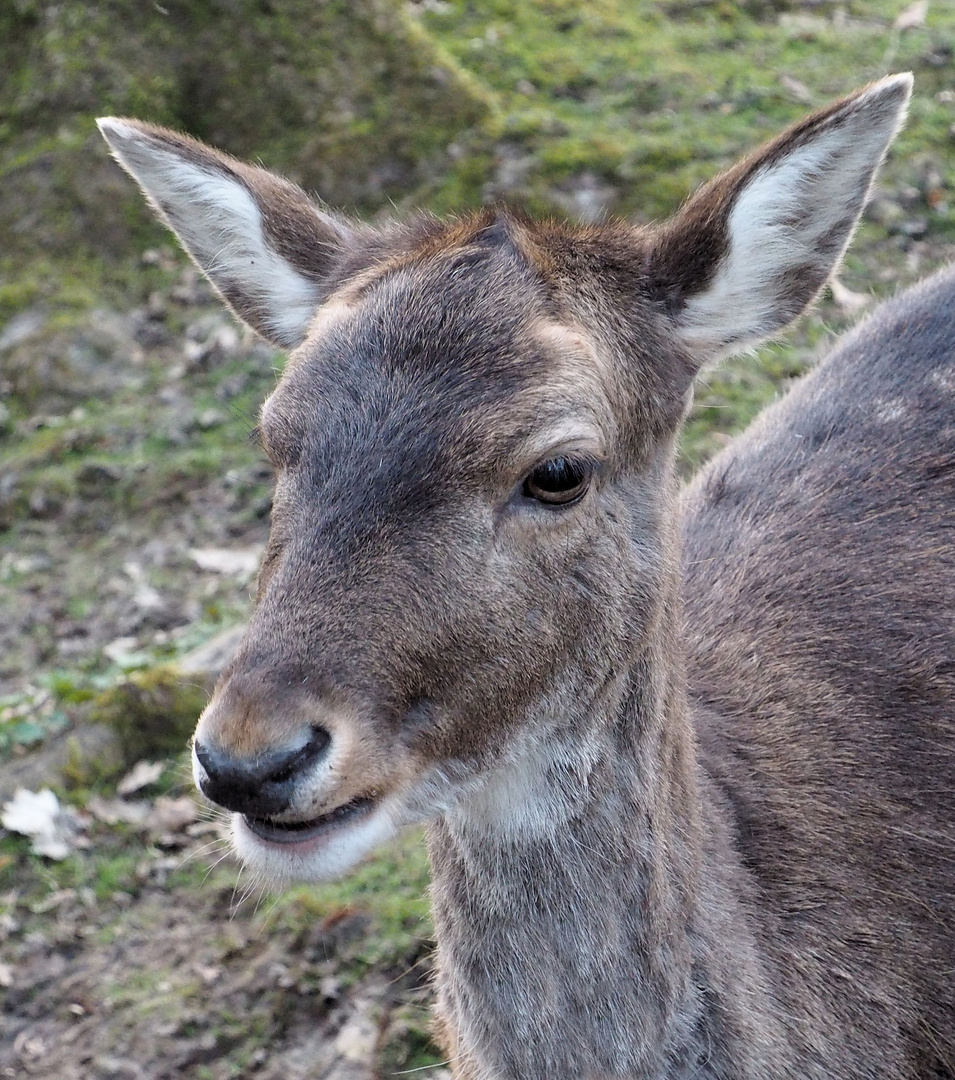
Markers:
point(220, 224)
point(539, 786)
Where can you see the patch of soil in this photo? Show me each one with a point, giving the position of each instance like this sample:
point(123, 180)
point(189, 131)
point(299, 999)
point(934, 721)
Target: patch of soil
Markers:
point(109, 501)
point(170, 981)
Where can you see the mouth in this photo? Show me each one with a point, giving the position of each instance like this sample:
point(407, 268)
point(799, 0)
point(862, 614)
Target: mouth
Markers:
point(298, 832)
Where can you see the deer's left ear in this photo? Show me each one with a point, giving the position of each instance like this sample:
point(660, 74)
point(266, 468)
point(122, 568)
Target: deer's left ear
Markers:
point(753, 247)
point(260, 240)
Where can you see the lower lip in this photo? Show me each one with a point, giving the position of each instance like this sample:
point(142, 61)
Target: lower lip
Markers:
point(275, 835)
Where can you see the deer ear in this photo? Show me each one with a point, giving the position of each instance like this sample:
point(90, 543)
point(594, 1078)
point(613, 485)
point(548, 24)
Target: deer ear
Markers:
point(259, 239)
point(753, 247)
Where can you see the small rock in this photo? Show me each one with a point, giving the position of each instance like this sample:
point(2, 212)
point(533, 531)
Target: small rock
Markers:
point(151, 334)
point(86, 744)
point(29, 1046)
point(210, 418)
point(44, 504)
point(194, 353)
point(883, 210)
point(208, 661)
point(121, 649)
point(208, 973)
point(8, 925)
point(111, 1068)
point(915, 228)
point(849, 301)
point(358, 1039)
point(96, 477)
point(145, 597)
point(232, 386)
point(22, 327)
point(161, 257)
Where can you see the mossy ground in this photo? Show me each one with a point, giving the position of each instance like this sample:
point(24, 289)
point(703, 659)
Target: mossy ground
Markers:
point(126, 408)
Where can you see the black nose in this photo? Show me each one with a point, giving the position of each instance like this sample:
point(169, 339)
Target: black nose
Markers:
point(262, 786)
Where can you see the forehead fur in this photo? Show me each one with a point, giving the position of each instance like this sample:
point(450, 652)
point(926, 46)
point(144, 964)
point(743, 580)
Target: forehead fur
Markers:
point(427, 239)
point(494, 320)
point(455, 311)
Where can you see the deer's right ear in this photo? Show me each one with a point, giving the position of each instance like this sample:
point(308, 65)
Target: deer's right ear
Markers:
point(264, 245)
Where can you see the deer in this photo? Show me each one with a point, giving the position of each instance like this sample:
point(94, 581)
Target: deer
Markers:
point(685, 756)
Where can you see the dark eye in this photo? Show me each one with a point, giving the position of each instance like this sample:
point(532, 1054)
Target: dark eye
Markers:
point(560, 481)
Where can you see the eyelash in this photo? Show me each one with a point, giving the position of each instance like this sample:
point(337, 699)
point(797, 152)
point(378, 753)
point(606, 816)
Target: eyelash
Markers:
point(560, 481)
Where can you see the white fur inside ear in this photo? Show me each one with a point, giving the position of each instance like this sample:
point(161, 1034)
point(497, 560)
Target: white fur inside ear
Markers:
point(220, 224)
point(739, 307)
point(231, 221)
point(788, 228)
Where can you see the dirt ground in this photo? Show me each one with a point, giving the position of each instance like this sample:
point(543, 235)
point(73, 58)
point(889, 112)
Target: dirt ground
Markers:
point(169, 982)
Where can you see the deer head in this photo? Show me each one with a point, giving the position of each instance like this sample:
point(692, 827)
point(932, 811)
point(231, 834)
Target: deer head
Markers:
point(471, 541)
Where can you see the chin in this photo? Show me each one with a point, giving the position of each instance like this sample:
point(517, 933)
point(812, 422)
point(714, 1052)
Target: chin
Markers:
point(324, 854)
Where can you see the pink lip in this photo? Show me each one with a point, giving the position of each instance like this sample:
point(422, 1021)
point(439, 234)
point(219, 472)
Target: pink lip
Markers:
point(295, 835)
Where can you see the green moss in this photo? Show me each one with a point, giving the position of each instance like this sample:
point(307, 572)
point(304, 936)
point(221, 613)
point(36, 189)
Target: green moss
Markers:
point(84, 772)
point(153, 712)
point(332, 93)
point(391, 889)
point(407, 1046)
point(655, 99)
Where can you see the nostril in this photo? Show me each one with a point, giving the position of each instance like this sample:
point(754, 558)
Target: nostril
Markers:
point(262, 785)
point(206, 758)
point(298, 761)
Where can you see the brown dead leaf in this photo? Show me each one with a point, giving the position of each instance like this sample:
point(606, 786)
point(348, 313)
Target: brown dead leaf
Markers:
point(241, 563)
point(142, 774)
point(797, 90)
point(53, 901)
point(849, 301)
point(113, 811)
point(171, 815)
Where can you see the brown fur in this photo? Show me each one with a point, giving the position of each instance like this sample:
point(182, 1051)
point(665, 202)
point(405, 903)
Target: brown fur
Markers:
point(677, 831)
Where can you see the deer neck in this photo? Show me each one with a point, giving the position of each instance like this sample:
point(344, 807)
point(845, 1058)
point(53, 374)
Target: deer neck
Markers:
point(565, 890)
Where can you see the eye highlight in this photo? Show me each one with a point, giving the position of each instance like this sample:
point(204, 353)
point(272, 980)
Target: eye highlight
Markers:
point(560, 481)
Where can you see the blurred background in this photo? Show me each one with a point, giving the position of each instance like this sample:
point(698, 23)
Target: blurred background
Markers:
point(133, 505)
